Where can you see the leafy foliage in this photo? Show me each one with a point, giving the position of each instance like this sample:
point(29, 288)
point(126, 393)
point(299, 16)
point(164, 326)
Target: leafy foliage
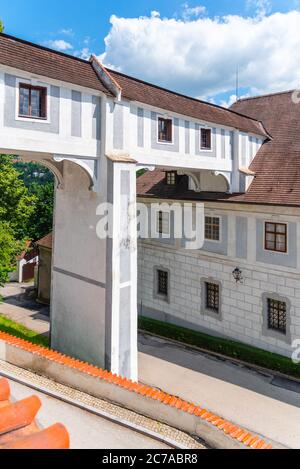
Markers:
point(32, 173)
point(16, 204)
point(40, 183)
point(9, 248)
point(225, 347)
point(42, 218)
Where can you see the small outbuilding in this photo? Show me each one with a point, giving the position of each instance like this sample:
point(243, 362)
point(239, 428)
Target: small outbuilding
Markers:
point(44, 246)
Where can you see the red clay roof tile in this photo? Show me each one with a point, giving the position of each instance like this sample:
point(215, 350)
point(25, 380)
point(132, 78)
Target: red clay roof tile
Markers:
point(277, 164)
point(18, 428)
point(166, 399)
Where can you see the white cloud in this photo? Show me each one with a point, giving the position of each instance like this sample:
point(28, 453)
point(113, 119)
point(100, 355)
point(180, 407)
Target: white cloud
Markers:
point(84, 53)
point(199, 57)
point(67, 31)
point(262, 7)
point(192, 12)
point(155, 14)
point(59, 44)
point(232, 99)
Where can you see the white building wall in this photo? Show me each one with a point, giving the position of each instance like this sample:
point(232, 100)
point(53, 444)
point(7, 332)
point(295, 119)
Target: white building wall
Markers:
point(127, 125)
point(53, 136)
point(242, 310)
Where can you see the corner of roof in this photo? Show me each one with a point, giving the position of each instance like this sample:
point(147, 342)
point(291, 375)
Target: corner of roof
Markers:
point(106, 78)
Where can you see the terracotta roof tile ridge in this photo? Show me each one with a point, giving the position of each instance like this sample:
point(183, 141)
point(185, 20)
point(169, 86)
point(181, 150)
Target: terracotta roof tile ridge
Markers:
point(233, 431)
point(19, 428)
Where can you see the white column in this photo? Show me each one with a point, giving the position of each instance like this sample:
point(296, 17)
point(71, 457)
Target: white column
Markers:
point(121, 280)
point(236, 164)
point(94, 278)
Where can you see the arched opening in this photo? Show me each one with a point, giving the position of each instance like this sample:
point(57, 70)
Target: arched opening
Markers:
point(28, 188)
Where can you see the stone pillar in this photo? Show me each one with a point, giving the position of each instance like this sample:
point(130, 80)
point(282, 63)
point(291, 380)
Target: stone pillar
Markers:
point(121, 297)
point(94, 279)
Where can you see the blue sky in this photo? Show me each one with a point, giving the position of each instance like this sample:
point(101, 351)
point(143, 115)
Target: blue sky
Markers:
point(191, 36)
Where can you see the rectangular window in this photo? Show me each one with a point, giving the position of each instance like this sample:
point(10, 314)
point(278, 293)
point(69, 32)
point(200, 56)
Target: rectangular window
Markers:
point(162, 282)
point(163, 223)
point(212, 300)
point(212, 228)
point(32, 101)
point(276, 237)
point(171, 178)
point(164, 130)
point(205, 139)
point(277, 315)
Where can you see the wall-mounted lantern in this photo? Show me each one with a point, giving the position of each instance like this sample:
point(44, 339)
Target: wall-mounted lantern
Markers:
point(237, 275)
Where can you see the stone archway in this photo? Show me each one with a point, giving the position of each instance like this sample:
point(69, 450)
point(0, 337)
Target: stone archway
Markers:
point(94, 280)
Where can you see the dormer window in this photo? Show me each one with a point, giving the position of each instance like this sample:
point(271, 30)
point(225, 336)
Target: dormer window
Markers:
point(205, 139)
point(32, 101)
point(171, 178)
point(165, 130)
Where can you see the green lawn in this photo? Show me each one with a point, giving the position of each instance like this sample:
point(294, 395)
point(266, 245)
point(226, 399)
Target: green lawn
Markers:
point(18, 330)
point(226, 347)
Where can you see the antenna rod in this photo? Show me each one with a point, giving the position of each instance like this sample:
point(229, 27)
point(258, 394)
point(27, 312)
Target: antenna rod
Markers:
point(237, 83)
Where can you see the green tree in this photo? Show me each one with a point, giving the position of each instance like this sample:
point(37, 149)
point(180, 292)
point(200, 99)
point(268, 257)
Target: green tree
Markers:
point(9, 248)
point(1, 27)
point(41, 220)
point(16, 204)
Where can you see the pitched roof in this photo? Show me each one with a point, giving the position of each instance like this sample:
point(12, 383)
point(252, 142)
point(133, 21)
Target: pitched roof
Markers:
point(137, 90)
point(43, 61)
point(19, 429)
point(46, 241)
point(33, 58)
point(277, 164)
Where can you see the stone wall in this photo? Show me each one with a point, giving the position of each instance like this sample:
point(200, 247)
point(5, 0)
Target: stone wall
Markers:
point(242, 305)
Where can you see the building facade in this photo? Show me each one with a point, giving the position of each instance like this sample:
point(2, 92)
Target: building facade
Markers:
point(200, 292)
point(94, 128)
point(244, 282)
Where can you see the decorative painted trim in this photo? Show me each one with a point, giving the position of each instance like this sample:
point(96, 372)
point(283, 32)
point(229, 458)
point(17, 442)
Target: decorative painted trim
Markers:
point(79, 277)
point(232, 431)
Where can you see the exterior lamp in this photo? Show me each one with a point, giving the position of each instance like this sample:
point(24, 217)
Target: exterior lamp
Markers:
point(237, 275)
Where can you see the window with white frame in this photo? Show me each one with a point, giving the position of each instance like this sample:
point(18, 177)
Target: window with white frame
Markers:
point(163, 223)
point(165, 130)
point(32, 101)
point(212, 228)
point(205, 139)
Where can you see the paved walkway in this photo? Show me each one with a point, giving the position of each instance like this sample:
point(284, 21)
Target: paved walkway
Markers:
point(263, 403)
point(21, 308)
